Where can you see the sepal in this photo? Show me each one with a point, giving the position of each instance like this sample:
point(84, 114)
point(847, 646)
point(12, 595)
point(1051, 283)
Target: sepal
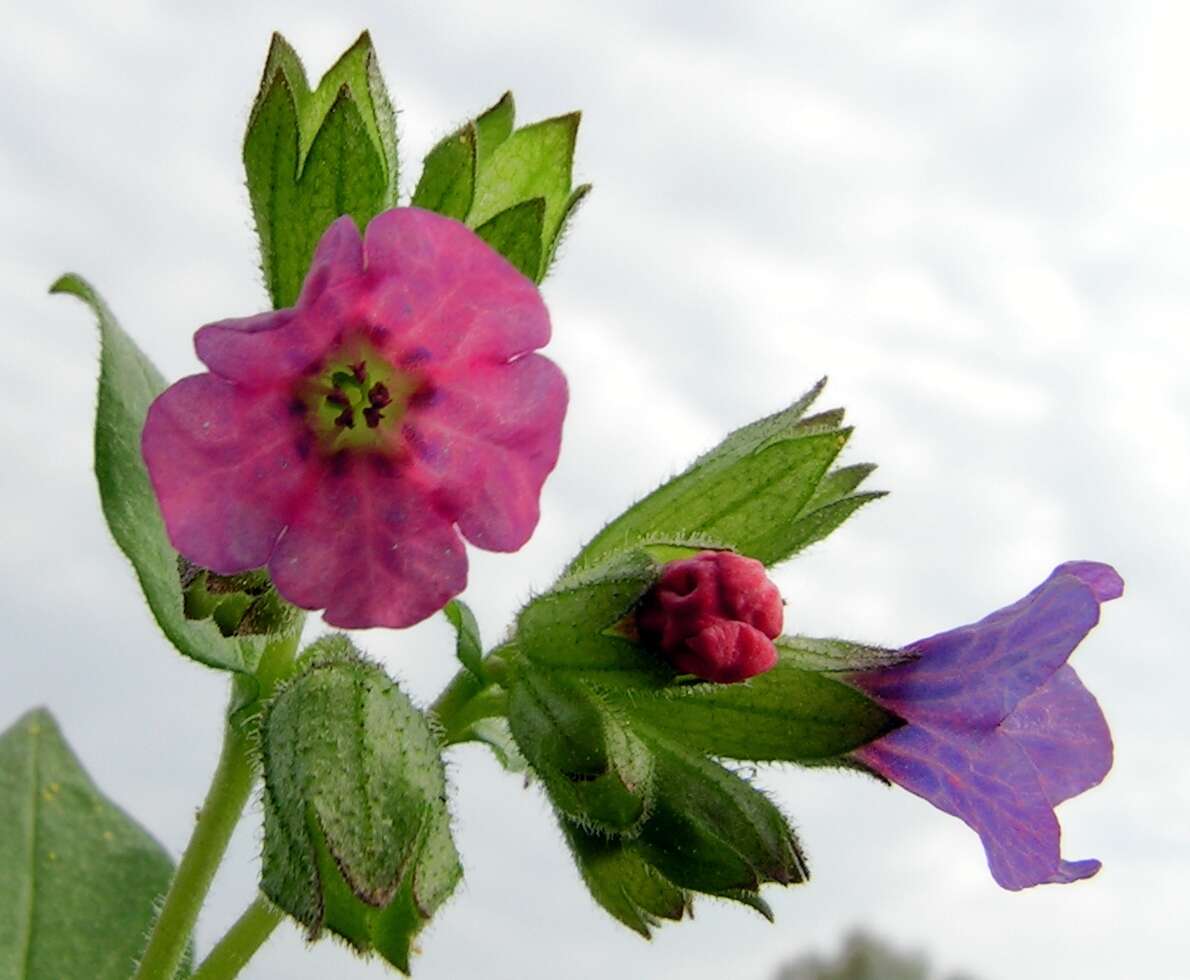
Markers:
point(311, 156)
point(766, 491)
point(239, 605)
point(513, 186)
point(357, 837)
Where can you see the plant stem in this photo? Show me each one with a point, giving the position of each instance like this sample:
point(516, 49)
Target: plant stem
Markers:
point(240, 942)
point(228, 794)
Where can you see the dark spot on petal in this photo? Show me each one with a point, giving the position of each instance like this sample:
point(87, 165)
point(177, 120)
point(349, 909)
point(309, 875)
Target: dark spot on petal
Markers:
point(378, 334)
point(422, 448)
point(303, 446)
point(425, 396)
point(313, 368)
point(297, 408)
point(339, 464)
point(382, 464)
point(412, 358)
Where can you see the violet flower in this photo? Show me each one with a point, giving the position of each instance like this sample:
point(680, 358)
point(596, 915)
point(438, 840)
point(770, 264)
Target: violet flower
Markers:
point(343, 441)
point(999, 729)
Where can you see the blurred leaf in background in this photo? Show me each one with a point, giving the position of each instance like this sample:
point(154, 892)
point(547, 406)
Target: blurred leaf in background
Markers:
point(863, 957)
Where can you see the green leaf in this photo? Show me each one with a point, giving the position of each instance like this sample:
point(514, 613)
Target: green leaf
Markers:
point(493, 126)
point(622, 882)
point(128, 382)
point(468, 646)
point(710, 831)
point(836, 656)
point(312, 156)
point(786, 714)
point(448, 175)
point(357, 836)
point(516, 234)
point(766, 491)
point(568, 212)
point(79, 879)
point(573, 626)
point(593, 767)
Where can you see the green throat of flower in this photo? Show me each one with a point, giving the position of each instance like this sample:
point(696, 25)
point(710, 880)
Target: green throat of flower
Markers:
point(357, 400)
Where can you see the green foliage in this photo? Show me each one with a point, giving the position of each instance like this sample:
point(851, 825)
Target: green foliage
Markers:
point(863, 957)
point(240, 605)
point(79, 879)
point(357, 836)
point(623, 882)
point(128, 382)
point(468, 646)
point(787, 714)
point(311, 156)
point(766, 491)
point(512, 185)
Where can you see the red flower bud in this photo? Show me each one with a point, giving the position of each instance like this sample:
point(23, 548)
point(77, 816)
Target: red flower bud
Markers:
point(714, 615)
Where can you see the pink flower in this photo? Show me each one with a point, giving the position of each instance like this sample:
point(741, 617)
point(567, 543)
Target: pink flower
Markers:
point(714, 615)
point(1000, 729)
point(347, 442)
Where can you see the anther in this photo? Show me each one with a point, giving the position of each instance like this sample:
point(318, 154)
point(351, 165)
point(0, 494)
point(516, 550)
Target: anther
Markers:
point(360, 370)
point(345, 419)
point(337, 397)
point(378, 395)
point(372, 416)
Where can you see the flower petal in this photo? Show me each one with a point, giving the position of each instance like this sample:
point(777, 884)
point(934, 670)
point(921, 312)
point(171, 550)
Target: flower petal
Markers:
point(225, 464)
point(274, 348)
point(975, 675)
point(1103, 580)
point(441, 293)
point(487, 439)
point(1061, 728)
point(987, 781)
point(368, 548)
point(339, 257)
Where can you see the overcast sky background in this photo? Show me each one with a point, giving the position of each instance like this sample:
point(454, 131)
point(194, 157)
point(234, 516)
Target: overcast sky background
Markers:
point(970, 215)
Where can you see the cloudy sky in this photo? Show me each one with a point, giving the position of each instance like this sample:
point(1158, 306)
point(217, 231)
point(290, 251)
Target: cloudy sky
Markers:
point(969, 214)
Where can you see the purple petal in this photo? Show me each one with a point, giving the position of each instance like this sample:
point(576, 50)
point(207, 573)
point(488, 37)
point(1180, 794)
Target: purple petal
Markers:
point(225, 465)
point(975, 675)
point(1061, 728)
point(369, 549)
point(987, 781)
point(1103, 580)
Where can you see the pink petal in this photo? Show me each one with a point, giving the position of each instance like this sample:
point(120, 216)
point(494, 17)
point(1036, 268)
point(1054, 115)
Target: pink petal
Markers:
point(225, 464)
point(442, 294)
point(338, 258)
point(486, 440)
point(274, 348)
point(369, 549)
point(1061, 728)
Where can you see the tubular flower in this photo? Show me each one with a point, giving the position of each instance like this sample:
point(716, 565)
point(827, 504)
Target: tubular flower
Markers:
point(347, 442)
point(999, 728)
point(714, 615)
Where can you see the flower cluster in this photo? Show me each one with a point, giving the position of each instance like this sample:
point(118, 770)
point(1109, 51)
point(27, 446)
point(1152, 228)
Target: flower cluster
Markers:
point(342, 442)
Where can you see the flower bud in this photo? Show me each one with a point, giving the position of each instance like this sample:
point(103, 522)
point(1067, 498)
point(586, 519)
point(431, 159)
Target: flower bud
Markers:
point(714, 615)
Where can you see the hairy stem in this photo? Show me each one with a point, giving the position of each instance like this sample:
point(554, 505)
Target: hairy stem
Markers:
point(240, 942)
point(228, 794)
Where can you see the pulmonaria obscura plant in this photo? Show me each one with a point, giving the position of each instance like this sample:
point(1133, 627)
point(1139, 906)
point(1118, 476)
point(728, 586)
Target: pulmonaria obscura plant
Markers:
point(336, 453)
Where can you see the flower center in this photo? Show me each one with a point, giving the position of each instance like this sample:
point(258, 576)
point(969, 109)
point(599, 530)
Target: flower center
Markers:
point(357, 399)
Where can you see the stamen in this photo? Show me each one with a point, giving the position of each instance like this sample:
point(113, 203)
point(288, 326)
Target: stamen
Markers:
point(337, 397)
point(345, 419)
point(360, 370)
point(372, 416)
point(378, 395)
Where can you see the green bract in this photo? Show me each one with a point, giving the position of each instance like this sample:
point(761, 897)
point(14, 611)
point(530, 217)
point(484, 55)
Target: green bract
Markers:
point(312, 156)
point(356, 831)
point(128, 382)
point(79, 879)
point(512, 186)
